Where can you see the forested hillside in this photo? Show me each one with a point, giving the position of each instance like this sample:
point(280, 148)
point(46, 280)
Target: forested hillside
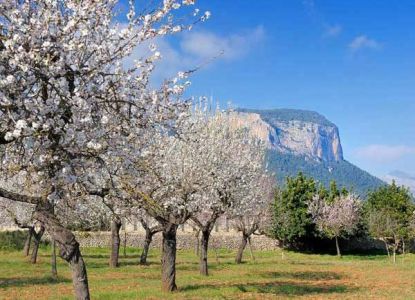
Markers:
point(344, 173)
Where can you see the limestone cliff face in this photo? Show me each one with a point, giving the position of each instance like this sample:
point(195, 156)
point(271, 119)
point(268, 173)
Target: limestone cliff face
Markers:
point(293, 131)
point(257, 126)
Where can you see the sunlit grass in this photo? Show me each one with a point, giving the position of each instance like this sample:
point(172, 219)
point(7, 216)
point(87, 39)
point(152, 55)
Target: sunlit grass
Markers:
point(297, 276)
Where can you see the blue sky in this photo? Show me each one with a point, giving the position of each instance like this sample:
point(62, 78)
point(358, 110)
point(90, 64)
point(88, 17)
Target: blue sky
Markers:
point(352, 61)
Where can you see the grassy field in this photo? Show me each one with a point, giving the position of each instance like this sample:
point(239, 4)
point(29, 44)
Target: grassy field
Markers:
point(301, 276)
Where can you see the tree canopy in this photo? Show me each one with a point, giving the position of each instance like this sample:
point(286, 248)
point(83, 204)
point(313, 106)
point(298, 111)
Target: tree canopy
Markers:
point(291, 219)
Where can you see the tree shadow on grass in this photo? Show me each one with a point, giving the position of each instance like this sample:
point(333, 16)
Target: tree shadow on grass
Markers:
point(294, 289)
point(17, 282)
point(280, 288)
point(303, 275)
point(122, 263)
point(150, 263)
point(213, 265)
point(311, 263)
point(96, 256)
point(365, 256)
point(187, 267)
point(96, 264)
point(107, 256)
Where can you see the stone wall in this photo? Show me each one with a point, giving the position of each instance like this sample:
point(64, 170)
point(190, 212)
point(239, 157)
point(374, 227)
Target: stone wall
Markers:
point(185, 240)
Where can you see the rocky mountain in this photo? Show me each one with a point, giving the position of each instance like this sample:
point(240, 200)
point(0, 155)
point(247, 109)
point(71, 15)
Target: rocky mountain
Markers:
point(298, 132)
point(301, 140)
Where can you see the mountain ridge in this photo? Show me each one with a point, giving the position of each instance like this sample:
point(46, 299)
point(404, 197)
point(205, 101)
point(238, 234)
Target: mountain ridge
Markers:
point(290, 114)
point(305, 141)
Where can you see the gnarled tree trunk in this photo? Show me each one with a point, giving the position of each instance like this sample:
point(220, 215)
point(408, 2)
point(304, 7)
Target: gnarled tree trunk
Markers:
point(241, 248)
point(115, 242)
point(36, 243)
point(69, 251)
point(26, 248)
point(79, 276)
point(147, 242)
point(168, 261)
point(204, 243)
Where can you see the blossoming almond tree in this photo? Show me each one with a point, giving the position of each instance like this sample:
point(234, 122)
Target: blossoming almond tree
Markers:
point(337, 218)
point(254, 215)
point(116, 210)
point(168, 190)
point(66, 100)
point(181, 171)
point(229, 157)
point(96, 213)
point(150, 226)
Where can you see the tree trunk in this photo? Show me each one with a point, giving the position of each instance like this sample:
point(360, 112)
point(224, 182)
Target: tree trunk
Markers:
point(147, 242)
point(26, 248)
point(53, 261)
point(79, 276)
point(241, 249)
point(168, 262)
point(204, 246)
point(394, 254)
point(115, 242)
point(69, 251)
point(197, 242)
point(36, 243)
point(338, 247)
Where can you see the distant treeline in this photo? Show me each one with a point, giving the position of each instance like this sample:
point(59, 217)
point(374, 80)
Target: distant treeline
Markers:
point(306, 215)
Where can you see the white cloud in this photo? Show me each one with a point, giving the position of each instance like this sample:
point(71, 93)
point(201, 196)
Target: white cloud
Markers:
point(362, 41)
point(384, 153)
point(171, 62)
point(206, 45)
point(333, 31)
point(197, 48)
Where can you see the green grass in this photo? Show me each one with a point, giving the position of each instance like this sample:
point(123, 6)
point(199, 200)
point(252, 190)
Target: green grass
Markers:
point(303, 276)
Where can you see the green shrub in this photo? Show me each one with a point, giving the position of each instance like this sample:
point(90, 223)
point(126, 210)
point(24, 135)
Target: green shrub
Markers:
point(12, 240)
